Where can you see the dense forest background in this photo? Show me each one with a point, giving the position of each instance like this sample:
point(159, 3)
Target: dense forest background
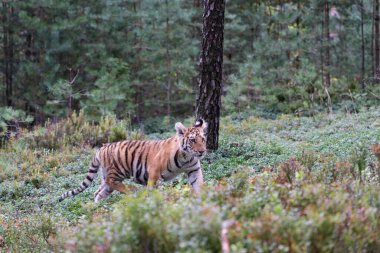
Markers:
point(139, 59)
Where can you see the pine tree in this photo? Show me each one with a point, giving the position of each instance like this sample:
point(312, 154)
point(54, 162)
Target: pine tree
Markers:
point(210, 86)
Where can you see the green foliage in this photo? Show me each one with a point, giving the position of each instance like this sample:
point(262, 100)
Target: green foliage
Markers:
point(78, 131)
point(112, 92)
point(313, 202)
point(269, 217)
point(359, 159)
point(138, 60)
point(9, 115)
point(34, 233)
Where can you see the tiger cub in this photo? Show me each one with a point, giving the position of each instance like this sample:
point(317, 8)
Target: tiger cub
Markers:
point(148, 161)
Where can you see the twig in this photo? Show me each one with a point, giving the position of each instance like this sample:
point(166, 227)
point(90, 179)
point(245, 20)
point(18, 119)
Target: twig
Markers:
point(223, 235)
point(373, 94)
point(75, 77)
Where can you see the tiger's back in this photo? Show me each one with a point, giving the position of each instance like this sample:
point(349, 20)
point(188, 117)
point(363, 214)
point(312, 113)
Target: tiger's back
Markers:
point(130, 159)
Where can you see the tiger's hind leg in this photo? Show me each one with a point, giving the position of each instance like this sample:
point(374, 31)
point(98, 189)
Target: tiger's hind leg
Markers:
point(99, 189)
point(103, 192)
point(116, 185)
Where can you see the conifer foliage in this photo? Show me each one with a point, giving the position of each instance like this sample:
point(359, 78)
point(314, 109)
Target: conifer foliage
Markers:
point(139, 59)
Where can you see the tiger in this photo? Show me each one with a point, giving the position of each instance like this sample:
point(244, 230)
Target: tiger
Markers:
point(148, 162)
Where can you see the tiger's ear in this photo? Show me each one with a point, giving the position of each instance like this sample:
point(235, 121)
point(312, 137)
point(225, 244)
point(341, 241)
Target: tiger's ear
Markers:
point(180, 129)
point(201, 123)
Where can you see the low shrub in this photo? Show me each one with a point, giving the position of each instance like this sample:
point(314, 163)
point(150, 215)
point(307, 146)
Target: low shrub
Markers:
point(267, 217)
point(78, 131)
point(156, 223)
point(36, 233)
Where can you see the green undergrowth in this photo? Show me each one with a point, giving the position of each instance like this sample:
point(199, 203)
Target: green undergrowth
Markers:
point(291, 184)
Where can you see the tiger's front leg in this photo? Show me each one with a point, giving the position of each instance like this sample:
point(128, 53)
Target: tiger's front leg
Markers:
point(195, 178)
point(154, 175)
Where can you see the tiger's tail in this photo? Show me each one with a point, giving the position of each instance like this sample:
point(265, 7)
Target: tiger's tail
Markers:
point(94, 167)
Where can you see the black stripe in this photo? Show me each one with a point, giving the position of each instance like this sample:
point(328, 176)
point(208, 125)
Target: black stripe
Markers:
point(106, 156)
point(190, 172)
point(94, 166)
point(139, 164)
point(89, 178)
point(130, 146)
point(72, 192)
point(85, 184)
point(133, 155)
point(92, 171)
point(119, 161)
point(127, 174)
point(186, 163)
point(168, 167)
point(194, 181)
point(117, 168)
point(118, 171)
point(138, 172)
point(125, 166)
point(146, 176)
point(116, 177)
point(176, 159)
point(146, 158)
point(138, 180)
point(119, 156)
point(126, 155)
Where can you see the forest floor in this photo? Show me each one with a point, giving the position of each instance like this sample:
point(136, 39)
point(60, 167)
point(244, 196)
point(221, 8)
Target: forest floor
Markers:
point(292, 184)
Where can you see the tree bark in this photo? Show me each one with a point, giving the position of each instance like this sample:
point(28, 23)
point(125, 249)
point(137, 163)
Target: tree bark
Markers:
point(363, 45)
point(210, 85)
point(168, 64)
point(376, 35)
point(372, 39)
point(327, 81)
point(8, 50)
point(327, 45)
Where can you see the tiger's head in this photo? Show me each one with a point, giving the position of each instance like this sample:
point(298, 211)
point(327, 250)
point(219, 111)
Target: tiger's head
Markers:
point(192, 140)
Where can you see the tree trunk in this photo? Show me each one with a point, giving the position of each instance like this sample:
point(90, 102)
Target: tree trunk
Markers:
point(372, 39)
point(168, 64)
point(363, 45)
point(298, 21)
point(210, 85)
point(327, 45)
point(8, 52)
point(327, 82)
point(376, 35)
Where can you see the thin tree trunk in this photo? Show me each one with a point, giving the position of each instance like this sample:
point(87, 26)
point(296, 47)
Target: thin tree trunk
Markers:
point(210, 85)
point(322, 55)
point(298, 20)
point(327, 82)
point(168, 65)
point(8, 52)
point(376, 35)
point(363, 45)
point(372, 39)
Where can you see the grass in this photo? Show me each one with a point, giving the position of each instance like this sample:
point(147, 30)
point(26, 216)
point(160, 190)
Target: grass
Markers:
point(291, 184)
